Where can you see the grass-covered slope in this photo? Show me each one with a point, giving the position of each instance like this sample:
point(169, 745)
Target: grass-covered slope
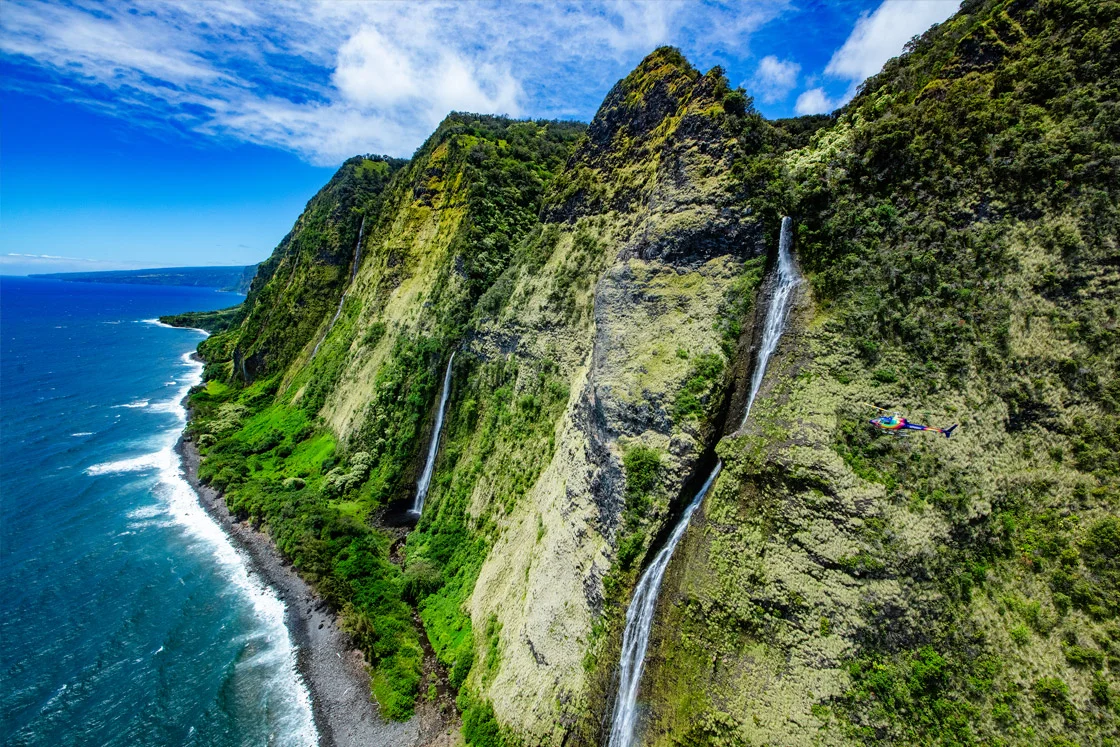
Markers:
point(213, 322)
point(596, 349)
point(957, 230)
point(617, 327)
point(959, 227)
point(308, 272)
point(450, 226)
point(437, 232)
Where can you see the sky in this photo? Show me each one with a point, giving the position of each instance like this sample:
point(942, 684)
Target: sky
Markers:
point(160, 133)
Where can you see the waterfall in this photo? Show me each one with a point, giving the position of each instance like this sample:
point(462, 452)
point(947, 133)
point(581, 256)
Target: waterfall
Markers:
point(433, 448)
point(639, 623)
point(777, 313)
point(639, 617)
point(353, 274)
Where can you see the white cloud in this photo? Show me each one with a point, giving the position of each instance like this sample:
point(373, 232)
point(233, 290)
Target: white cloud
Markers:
point(17, 263)
point(814, 101)
point(373, 70)
point(329, 79)
point(48, 256)
point(881, 35)
point(774, 79)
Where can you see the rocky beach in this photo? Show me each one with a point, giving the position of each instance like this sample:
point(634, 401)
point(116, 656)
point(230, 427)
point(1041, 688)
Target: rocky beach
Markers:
point(334, 670)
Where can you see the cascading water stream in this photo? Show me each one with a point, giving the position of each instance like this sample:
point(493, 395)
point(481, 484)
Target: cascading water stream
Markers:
point(433, 448)
point(345, 293)
point(639, 617)
point(778, 312)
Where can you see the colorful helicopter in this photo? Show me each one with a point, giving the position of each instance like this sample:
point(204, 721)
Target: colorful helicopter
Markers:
point(896, 424)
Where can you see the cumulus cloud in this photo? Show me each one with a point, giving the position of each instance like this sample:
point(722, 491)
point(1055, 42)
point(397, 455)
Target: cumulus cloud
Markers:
point(881, 35)
point(375, 71)
point(875, 38)
point(774, 79)
point(814, 101)
point(327, 79)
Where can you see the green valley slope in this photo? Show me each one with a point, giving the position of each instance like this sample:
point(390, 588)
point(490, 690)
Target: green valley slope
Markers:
point(600, 285)
point(959, 227)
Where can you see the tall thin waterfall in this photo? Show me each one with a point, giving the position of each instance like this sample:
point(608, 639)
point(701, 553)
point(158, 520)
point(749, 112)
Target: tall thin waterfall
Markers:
point(639, 617)
point(777, 313)
point(353, 274)
point(433, 448)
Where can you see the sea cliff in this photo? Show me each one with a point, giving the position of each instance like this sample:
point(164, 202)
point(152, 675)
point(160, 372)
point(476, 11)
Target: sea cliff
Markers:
point(602, 290)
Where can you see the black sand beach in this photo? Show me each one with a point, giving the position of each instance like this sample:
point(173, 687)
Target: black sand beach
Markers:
point(335, 672)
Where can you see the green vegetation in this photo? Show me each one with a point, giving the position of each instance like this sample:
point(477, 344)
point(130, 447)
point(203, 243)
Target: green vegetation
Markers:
point(938, 273)
point(211, 321)
point(265, 447)
point(913, 689)
point(957, 227)
point(301, 282)
point(705, 375)
point(643, 466)
point(276, 469)
point(500, 441)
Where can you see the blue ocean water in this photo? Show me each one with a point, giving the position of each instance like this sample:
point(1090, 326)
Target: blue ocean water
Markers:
point(126, 616)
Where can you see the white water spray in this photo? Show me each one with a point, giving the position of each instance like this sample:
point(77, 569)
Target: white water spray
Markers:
point(353, 274)
point(282, 692)
point(433, 448)
point(777, 313)
point(639, 617)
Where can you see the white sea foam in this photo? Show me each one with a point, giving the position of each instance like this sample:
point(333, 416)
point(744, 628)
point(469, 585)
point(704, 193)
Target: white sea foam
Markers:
point(145, 512)
point(134, 464)
point(79, 434)
point(135, 404)
point(169, 405)
point(158, 323)
point(179, 504)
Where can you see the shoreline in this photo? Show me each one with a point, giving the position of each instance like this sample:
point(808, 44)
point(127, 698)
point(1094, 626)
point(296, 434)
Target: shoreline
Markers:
point(334, 672)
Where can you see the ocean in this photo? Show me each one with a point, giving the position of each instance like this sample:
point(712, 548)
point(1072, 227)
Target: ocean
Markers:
point(127, 617)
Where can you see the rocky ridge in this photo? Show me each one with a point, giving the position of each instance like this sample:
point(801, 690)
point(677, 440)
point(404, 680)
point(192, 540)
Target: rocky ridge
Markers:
point(957, 227)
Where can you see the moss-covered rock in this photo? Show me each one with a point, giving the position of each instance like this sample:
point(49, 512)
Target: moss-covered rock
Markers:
point(842, 587)
point(957, 227)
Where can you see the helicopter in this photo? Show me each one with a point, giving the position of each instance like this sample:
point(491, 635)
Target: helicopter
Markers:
point(896, 424)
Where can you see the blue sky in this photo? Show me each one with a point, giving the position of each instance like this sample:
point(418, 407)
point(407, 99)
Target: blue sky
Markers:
point(162, 133)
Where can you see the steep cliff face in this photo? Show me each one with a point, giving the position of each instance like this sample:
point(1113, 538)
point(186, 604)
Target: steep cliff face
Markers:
point(644, 249)
point(597, 300)
point(294, 288)
point(601, 290)
point(959, 226)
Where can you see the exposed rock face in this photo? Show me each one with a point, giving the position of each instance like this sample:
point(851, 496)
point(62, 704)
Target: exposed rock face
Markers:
point(957, 232)
point(667, 244)
point(838, 587)
point(309, 268)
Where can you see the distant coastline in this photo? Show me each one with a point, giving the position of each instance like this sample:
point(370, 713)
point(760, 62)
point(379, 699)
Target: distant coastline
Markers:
point(232, 279)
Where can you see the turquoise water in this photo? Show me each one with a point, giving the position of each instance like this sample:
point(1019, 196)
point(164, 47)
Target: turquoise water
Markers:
point(128, 618)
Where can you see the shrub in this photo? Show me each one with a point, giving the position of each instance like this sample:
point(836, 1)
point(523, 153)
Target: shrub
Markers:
point(694, 396)
point(643, 467)
point(1053, 694)
point(480, 726)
